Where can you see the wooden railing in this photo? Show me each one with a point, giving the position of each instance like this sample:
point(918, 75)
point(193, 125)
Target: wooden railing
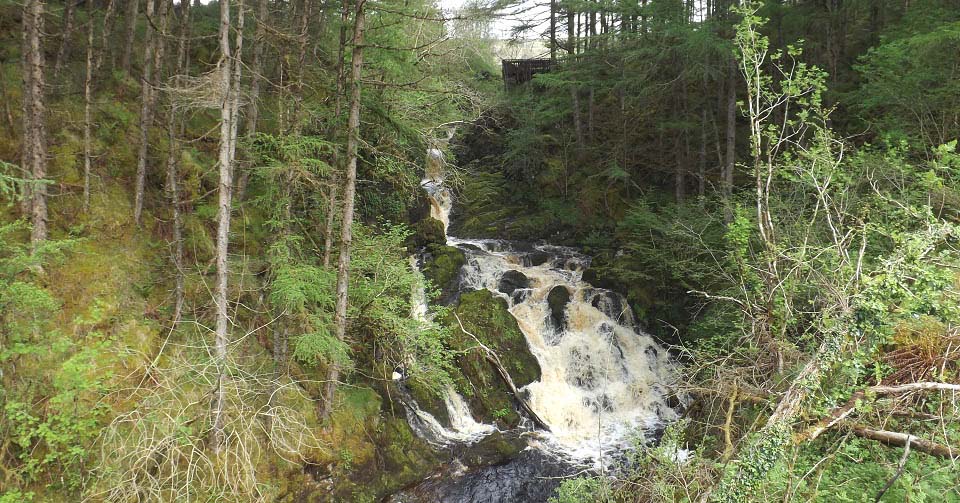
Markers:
point(520, 71)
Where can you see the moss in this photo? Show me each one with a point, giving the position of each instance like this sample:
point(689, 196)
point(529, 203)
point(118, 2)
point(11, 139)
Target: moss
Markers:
point(486, 317)
point(442, 267)
point(391, 457)
point(428, 231)
point(429, 402)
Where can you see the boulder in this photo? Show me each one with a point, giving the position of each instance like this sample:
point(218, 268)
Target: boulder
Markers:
point(426, 232)
point(512, 280)
point(485, 315)
point(536, 258)
point(441, 265)
point(557, 299)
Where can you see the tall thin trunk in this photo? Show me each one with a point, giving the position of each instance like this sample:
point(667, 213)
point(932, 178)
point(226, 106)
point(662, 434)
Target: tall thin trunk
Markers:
point(730, 161)
point(553, 31)
point(256, 68)
point(87, 119)
point(174, 124)
point(130, 34)
point(574, 91)
point(702, 173)
point(152, 57)
point(229, 90)
point(590, 113)
point(105, 34)
point(349, 190)
point(68, 10)
point(302, 40)
point(256, 79)
point(34, 112)
point(7, 111)
point(331, 219)
point(592, 29)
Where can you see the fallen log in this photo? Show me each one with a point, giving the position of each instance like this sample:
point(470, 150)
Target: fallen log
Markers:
point(842, 412)
point(899, 439)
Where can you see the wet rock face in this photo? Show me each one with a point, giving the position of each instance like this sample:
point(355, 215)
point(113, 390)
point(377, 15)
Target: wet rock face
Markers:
point(613, 305)
point(512, 280)
point(557, 299)
point(485, 315)
point(442, 267)
point(531, 477)
point(536, 258)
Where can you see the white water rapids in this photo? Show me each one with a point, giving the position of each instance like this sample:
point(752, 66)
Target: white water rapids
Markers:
point(603, 380)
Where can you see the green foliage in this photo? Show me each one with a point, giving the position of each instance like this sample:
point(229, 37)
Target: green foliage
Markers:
point(909, 91)
point(582, 490)
point(763, 451)
point(49, 438)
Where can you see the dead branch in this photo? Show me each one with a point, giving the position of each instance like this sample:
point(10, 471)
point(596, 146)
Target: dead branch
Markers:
point(898, 439)
point(840, 413)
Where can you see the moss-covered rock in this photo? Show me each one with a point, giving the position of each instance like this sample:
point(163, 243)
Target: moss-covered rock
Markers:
point(401, 459)
point(442, 267)
point(371, 451)
point(486, 316)
point(429, 401)
point(426, 232)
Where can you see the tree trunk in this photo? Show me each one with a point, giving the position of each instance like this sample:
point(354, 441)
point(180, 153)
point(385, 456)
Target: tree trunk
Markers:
point(331, 220)
point(152, 55)
point(679, 179)
point(702, 174)
point(256, 68)
point(34, 112)
point(256, 78)
point(898, 439)
point(574, 92)
point(349, 190)
point(130, 35)
point(173, 159)
point(590, 113)
point(229, 90)
point(726, 181)
point(331, 133)
point(87, 119)
point(104, 35)
point(68, 10)
point(302, 38)
point(553, 31)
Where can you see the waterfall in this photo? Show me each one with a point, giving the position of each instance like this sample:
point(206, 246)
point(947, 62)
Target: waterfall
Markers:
point(463, 427)
point(604, 381)
point(602, 378)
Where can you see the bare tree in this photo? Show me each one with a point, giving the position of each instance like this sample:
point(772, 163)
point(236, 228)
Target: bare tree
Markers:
point(152, 57)
point(107, 27)
point(256, 80)
point(34, 112)
point(174, 125)
point(229, 80)
point(349, 191)
point(331, 219)
point(131, 17)
point(87, 118)
point(726, 179)
point(68, 14)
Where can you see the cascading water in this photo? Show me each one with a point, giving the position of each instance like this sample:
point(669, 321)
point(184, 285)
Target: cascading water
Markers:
point(603, 381)
point(602, 378)
point(463, 427)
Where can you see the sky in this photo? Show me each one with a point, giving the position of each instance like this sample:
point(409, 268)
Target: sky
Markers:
point(502, 26)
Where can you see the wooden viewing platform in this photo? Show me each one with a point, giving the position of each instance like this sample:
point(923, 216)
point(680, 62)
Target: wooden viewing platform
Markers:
point(519, 71)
